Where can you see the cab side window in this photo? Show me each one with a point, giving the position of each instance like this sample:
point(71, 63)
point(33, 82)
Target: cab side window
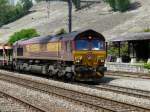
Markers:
point(20, 51)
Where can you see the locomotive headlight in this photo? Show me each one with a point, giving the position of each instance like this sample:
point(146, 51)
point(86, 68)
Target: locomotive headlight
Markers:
point(78, 59)
point(101, 59)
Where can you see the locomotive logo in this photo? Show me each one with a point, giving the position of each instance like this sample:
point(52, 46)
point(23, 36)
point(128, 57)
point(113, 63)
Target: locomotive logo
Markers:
point(90, 56)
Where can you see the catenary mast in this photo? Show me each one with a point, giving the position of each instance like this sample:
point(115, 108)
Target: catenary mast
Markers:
point(70, 15)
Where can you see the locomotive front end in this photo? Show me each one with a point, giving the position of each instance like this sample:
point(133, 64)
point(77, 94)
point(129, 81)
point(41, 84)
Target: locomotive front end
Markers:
point(89, 57)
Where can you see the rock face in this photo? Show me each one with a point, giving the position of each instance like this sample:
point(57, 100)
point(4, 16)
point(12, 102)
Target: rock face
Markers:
point(98, 17)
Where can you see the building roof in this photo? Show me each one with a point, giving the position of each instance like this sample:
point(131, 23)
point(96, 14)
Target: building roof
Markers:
point(131, 37)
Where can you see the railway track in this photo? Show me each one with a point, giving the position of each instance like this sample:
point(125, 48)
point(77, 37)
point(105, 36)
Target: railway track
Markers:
point(124, 90)
point(127, 74)
point(26, 104)
point(95, 102)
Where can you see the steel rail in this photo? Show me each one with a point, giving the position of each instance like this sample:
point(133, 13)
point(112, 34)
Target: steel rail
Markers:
point(127, 74)
point(119, 89)
point(100, 103)
point(124, 90)
point(23, 102)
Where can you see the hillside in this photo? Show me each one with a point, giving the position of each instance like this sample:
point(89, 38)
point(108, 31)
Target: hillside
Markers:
point(98, 17)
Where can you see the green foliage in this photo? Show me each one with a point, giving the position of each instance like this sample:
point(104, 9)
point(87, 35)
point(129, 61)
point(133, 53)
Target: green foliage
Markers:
point(61, 31)
point(9, 13)
point(23, 34)
point(114, 50)
point(124, 49)
point(77, 3)
point(118, 5)
point(147, 30)
point(27, 4)
point(147, 65)
point(112, 4)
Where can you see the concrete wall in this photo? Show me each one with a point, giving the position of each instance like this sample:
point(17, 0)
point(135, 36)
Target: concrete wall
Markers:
point(126, 67)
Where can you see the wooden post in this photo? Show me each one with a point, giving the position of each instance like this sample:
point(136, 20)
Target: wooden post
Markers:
point(133, 50)
point(119, 49)
point(119, 60)
point(129, 49)
point(148, 61)
point(106, 49)
point(133, 58)
point(149, 48)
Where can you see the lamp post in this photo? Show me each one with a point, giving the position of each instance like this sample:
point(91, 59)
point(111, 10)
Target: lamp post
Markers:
point(70, 15)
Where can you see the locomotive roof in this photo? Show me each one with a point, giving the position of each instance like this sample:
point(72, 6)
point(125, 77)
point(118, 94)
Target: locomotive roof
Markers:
point(64, 37)
point(76, 34)
point(41, 39)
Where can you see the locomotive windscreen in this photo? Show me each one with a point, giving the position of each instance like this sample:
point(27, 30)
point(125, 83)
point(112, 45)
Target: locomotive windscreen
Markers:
point(89, 45)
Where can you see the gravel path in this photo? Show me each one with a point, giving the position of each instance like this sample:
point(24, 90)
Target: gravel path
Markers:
point(105, 94)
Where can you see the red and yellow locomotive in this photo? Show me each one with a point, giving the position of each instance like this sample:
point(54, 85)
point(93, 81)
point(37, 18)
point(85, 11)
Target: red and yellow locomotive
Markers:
point(79, 55)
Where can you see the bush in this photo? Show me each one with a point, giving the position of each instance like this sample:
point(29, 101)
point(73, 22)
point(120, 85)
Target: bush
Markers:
point(113, 49)
point(147, 30)
point(112, 4)
point(122, 5)
point(118, 5)
point(61, 31)
point(147, 65)
point(23, 34)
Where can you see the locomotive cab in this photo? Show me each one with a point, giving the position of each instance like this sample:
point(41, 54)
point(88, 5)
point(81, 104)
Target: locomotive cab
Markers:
point(89, 55)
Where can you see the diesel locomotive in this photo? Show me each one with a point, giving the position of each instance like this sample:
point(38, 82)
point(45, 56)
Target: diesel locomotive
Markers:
point(79, 55)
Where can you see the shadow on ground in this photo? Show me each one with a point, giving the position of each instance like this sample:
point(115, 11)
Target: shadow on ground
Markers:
point(107, 79)
point(103, 80)
point(134, 6)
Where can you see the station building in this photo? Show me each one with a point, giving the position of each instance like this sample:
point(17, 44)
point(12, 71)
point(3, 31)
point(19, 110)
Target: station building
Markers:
point(138, 51)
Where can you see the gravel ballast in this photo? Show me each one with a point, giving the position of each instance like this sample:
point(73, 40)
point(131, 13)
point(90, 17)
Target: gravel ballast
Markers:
point(8, 105)
point(136, 83)
point(105, 94)
point(50, 103)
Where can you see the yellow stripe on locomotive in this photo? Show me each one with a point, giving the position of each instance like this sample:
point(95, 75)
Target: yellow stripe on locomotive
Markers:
point(89, 58)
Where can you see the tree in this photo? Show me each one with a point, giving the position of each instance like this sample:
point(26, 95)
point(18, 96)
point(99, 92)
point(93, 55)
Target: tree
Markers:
point(61, 31)
point(122, 5)
point(23, 34)
point(3, 9)
point(9, 13)
point(77, 3)
point(118, 5)
point(27, 4)
point(112, 4)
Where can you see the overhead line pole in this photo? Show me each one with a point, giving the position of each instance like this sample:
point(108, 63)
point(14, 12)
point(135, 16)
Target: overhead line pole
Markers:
point(70, 15)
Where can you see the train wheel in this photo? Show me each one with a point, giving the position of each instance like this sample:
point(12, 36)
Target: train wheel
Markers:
point(50, 73)
point(69, 76)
